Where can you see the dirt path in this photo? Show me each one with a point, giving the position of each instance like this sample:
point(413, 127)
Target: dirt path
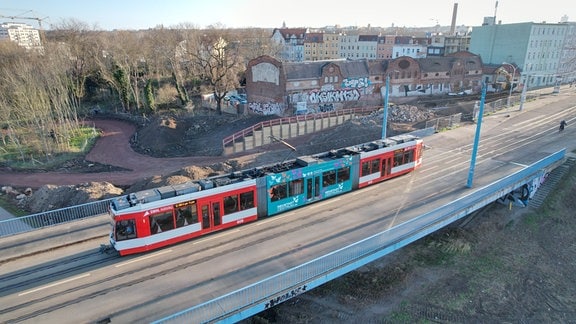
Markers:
point(113, 148)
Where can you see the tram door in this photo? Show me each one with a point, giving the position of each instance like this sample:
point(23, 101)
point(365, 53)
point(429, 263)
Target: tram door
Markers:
point(313, 188)
point(386, 167)
point(211, 215)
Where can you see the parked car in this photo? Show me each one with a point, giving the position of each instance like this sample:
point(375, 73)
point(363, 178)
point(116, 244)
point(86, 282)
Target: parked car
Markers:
point(238, 98)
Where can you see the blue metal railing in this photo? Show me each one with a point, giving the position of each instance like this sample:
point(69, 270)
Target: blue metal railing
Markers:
point(51, 218)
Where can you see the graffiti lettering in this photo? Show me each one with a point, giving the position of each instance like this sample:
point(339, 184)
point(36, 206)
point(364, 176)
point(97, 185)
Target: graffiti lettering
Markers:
point(266, 108)
point(334, 96)
point(356, 83)
point(289, 205)
point(284, 297)
point(326, 107)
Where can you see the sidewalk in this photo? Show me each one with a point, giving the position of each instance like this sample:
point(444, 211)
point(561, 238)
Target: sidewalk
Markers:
point(4, 214)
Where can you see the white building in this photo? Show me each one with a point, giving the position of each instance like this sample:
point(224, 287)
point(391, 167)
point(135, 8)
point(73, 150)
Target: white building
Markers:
point(415, 51)
point(22, 34)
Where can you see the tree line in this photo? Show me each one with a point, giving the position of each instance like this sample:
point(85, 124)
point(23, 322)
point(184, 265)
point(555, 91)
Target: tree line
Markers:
point(45, 95)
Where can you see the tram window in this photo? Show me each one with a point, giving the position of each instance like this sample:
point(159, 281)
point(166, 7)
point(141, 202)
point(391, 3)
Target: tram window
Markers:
point(343, 174)
point(408, 156)
point(278, 192)
point(375, 166)
point(161, 223)
point(398, 159)
point(186, 215)
point(216, 211)
point(205, 217)
point(125, 230)
point(246, 200)
point(296, 187)
point(231, 204)
point(365, 168)
point(329, 178)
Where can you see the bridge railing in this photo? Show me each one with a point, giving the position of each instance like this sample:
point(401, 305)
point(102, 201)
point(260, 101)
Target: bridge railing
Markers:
point(249, 131)
point(53, 217)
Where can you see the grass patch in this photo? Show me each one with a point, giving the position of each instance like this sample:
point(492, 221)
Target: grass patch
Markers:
point(9, 207)
point(32, 156)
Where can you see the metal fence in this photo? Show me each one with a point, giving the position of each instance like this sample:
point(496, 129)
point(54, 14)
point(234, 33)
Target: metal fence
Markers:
point(443, 123)
point(229, 143)
point(51, 218)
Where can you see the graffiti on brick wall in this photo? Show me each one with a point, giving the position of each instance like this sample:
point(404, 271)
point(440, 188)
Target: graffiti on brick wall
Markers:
point(356, 82)
point(326, 107)
point(266, 108)
point(334, 96)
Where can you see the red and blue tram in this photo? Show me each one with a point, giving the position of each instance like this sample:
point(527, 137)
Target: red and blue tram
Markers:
point(154, 218)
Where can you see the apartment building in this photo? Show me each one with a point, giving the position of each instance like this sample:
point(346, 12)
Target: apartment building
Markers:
point(358, 46)
point(291, 41)
point(321, 46)
point(22, 34)
point(542, 51)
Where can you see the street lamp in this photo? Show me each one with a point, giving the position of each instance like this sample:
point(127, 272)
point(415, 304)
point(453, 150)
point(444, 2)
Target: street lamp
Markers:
point(511, 81)
point(385, 112)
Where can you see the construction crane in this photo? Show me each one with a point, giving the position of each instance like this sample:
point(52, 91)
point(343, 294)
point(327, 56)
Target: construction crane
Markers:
point(27, 18)
point(39, 20)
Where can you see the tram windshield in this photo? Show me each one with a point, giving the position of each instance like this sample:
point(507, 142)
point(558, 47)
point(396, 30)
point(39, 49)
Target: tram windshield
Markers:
point(125, 229)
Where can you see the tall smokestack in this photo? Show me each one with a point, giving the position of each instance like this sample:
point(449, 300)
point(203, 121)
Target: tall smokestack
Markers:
point(495, 11)
point(454, 14)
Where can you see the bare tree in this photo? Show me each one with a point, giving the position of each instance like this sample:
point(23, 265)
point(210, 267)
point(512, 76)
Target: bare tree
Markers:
point(39, 115)
point(123, 66)
point(81, 44)
point(217, 61)
point(255, 42)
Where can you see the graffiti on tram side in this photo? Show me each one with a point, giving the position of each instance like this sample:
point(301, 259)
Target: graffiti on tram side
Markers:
point(284, 297)
point(334, 96)
point(295, 202)
point(335, 191)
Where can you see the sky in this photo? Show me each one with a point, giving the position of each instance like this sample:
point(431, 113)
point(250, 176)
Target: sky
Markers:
point(144, 14)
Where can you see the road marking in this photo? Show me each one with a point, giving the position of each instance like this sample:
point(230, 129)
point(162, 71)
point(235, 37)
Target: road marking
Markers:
point(54, 284)
point(142, 258)
point(519, 164)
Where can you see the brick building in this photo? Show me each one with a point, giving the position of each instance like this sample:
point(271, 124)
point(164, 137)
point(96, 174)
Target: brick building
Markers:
point(287, 88)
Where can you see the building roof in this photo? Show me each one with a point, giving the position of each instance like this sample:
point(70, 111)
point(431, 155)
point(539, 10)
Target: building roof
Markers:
point(368, 38)
point(314, 38)
point(303, 70)
point(313, 70)
point(288, 33)
point(435, 64)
